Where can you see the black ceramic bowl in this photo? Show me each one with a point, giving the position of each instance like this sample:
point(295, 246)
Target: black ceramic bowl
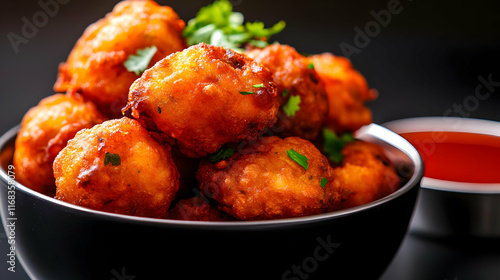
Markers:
point(57, 240)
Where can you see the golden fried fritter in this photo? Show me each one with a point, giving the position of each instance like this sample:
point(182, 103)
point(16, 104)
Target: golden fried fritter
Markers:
point(295, 76)
point(45, 130)
point(347, 92)
point(204, 97)
point(197, 209)
point(117, 167)
point(95, 66)
point(365, 174)
point(264, 182)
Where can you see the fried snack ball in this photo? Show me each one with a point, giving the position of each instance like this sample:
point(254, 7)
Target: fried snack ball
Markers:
point(95, 66)
point(197, 209)
point(117, 167)
point(347, 92)
point(45, 130)
point(204, 97)
point(295, 76)
point(365, 174)
point(263, 182)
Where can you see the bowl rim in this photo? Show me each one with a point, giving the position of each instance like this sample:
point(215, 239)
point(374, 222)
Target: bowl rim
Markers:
point(371, 130)
point(442, 124)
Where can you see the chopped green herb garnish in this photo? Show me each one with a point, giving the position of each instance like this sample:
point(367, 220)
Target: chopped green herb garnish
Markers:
point(114, 159)
point(324, 181)
point(334, 144)
point(221, 154)
point(246, 92)
point(258, 31)
point(292, 105)
point(285, 92)
point(258, 43)
point(259, 86)
point(159, 109)
point(218, 25)
point(310, 66)
point(298, 158)
point(139, 62)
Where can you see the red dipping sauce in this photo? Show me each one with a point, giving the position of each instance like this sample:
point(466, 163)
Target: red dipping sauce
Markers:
point(458, 156)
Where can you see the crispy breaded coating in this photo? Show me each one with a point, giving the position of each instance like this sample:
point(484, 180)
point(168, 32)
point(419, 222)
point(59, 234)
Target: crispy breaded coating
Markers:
point(117, 167)
point(95, 66)
point(197, 209)
point(45, 130)
point(205, 97)
point(347, 92)
point(263, 182)
point(365, 174)
point(295, 76)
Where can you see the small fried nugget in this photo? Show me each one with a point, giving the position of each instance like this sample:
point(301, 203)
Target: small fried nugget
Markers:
point(95, 66)
point(347, 92)
point(205, 97)
point(117, 167)
point(264, 181)
point(197, 208)
point(45, 130)
point(365, 175)
point(299, 86)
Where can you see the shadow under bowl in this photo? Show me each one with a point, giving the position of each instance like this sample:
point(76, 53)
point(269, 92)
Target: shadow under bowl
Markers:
point(57, 240)
point(449, 208)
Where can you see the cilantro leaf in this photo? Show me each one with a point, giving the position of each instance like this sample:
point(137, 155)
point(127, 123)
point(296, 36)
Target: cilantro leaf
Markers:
point(139, 62)
point(285, 92)
point(292, 105)
point(334, 144)
point(114, 159)
point(246, 92)
point(324, 181)
point(221, 154)
point(218, 25)
point(217, 14)
point(257, 29)
point(258, 43)
point(298, 158)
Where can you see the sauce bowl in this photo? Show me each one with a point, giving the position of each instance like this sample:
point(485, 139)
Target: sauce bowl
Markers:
point(57, 240)
point(469, 205)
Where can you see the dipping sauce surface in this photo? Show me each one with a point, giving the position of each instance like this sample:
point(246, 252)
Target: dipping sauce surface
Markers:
point(458, 156)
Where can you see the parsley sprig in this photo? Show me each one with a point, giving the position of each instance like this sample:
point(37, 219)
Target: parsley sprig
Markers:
point(298, 158)
point(292, 105)
point(114, 159)
point(139, 62)
point(323, 182)
point(335, 144)
point(221, 154)
point(246, 92)
point(218, 25)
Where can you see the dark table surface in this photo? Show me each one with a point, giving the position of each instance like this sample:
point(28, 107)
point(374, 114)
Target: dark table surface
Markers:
point(425, 61)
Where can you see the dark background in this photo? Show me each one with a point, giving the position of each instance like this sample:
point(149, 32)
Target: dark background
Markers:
point(426, 60)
